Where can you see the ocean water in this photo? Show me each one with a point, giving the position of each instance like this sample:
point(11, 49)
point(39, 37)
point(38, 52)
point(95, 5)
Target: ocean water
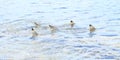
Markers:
point(17, 17)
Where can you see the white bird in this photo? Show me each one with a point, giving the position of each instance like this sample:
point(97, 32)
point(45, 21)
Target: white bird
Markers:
point(91, 28)
point(34, 33)
point(72, 24)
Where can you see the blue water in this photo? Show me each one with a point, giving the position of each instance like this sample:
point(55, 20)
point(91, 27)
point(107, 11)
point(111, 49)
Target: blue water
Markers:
point(17, 17)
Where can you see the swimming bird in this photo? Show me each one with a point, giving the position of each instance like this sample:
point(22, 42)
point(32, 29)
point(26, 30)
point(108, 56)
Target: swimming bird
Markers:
point(91, 28)
point(72, 24)
point(36, 25)
point(34, 33)
point(52, 28)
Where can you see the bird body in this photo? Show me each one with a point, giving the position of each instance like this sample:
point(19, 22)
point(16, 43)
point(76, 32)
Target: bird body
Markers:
point(91, 28)
point(34, 33)
point(52, 28)
point(72, 24)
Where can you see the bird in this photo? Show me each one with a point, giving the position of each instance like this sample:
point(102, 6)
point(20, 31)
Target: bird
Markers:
point(36, 25)
point(72, 24)
point(34, 33)
point(91, 28)
point(52, 28)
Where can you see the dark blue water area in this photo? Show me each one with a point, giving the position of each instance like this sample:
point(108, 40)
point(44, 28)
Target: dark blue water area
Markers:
point(107, 57)
point(114, 19)
point(87, 46)
point(79, 37)
point(53, 41)
point(77, 11)
point(111, 35)
point(91, 34)
point(2, 36)
point(116, 50)
point(33, 38)
point(40, 12)
point(61, 8)
point(95, 17)
point(75, 30)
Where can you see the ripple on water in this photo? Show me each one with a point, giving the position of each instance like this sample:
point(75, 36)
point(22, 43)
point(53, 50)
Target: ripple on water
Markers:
point(62, 7)
point(107, 57)
point(34, 3)
point(87, 46)
point(77, 10)
point(109, 35)
point(1, 36)
point(114, 19)
point(95, 17)
point(40, 12)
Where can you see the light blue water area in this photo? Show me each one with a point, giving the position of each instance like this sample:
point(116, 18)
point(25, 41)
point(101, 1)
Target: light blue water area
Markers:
point(17, 17)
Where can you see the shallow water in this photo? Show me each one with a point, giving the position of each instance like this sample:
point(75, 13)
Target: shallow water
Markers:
point(17, 17)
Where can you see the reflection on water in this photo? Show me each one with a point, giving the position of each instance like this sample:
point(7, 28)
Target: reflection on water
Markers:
point(91, 34)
